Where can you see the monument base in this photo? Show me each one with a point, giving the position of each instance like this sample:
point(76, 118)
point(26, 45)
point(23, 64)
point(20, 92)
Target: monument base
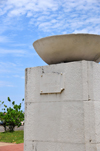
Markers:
point(62, 107)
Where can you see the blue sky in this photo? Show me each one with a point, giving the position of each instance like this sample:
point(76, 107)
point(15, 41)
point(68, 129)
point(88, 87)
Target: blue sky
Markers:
point(24, 21)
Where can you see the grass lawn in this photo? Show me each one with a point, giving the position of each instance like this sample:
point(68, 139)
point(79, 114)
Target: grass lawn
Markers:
point(12, 137)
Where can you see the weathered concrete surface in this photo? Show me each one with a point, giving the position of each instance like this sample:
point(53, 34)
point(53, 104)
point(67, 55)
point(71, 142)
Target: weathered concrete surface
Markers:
point(69, 120)
point(70, 47)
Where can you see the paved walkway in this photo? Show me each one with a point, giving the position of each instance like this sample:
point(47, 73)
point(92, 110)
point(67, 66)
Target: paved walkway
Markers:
point(11, 147)
point(5, 144)
point(16, 129)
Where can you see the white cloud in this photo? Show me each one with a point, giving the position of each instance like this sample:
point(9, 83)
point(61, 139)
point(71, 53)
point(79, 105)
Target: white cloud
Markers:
point(18, 45)
point(7, 67)
point(58, 16)
point(4, 39)
point(23, 77)
point(29, 14)
point(7, 64)
point(6, 84)
point(20, 7)
point(74, 15)
point(18, 76)
point(15, 52)
point(18, 52)
point(9, 71)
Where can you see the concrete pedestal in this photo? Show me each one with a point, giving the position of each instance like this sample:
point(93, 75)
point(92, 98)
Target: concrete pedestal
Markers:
point(62, 107)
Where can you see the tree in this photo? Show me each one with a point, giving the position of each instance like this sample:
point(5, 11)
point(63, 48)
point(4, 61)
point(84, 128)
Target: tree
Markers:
point(11, 116)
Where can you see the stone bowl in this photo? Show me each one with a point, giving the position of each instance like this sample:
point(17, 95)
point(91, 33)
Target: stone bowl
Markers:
point(67, 48)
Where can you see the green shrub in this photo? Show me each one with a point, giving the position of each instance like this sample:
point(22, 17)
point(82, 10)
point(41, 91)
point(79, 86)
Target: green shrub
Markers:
point(11, 116)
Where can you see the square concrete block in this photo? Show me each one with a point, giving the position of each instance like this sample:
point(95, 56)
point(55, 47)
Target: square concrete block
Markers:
point(91, 147)
point(68, 125)
point(62, 107)
point(50, 146)
point(98, 146)
point(81, 82)
point(45, 146)
point(53, 146)
point(29, 146)
point(55, 121)
point(92, 121)
point(74, 81)
point(94, 81)
point(58, 146)
point(97, 120)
